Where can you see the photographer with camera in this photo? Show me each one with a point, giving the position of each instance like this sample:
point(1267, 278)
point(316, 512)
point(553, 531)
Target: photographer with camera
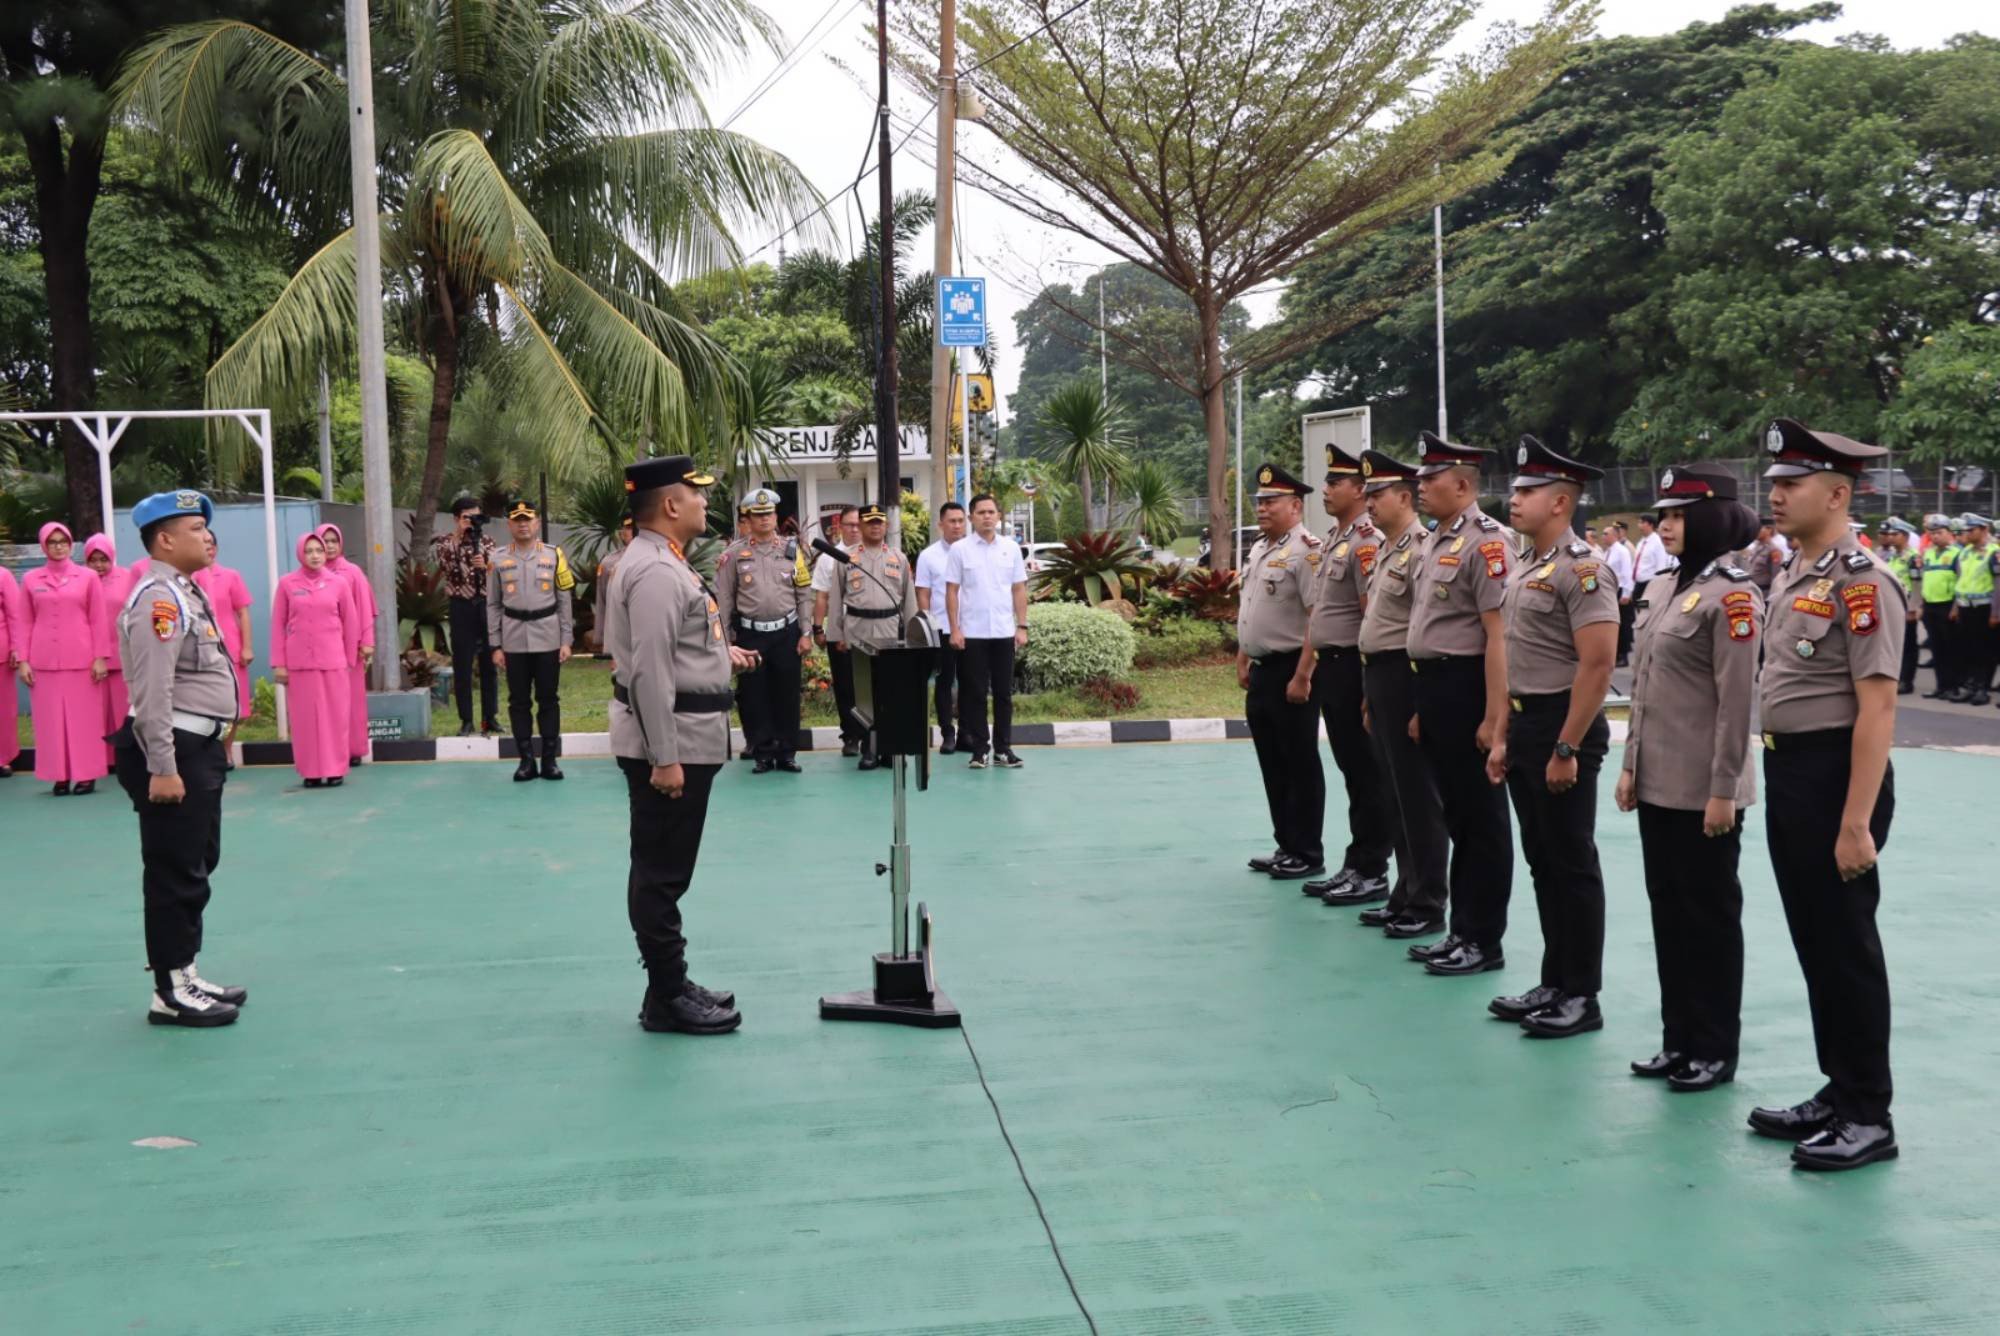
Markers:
point(464, 556)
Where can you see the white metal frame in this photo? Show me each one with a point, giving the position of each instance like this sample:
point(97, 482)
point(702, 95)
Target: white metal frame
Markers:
point(103, 430)
point(1316, 432)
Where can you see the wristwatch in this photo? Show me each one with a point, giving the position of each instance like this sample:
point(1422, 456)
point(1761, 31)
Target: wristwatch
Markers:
point(1564, 752)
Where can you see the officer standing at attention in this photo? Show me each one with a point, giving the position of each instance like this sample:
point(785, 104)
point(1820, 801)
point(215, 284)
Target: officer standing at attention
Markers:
point(1458, 653)
point(862, 611)
point(1561, 617)
point(1895, 536)
point(1416, 904)
point(170, 756)
point(528, 623)
point(1829, 713)
point(669, 728)
point(1940, 587)
point(607, 564)
point(1972, 610)
point(1346, 565)
point(841, 530)
point(764, 588)
point(1274, 666)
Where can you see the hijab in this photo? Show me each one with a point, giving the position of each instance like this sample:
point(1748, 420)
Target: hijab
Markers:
point(1712, 530)
point(61, 566)
point(333, 563)
point(309, 536)
point(96, 543)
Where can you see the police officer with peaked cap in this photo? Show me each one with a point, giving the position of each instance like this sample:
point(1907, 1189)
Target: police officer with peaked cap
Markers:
point(528, 623)
point(873, 597)
point(763, 585)
point(1828, 703)
point(1274, 667)
point(1896, 538)
point(669, 727)
point(170, 756)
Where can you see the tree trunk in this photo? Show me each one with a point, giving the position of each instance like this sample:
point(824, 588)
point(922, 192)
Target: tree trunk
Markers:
point(65, 196)
point(1214, 404)
point(1084, 495)
point(444, 349)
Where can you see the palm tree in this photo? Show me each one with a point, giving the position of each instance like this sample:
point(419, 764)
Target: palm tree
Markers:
point(1154, 509)
point(544, 165)
point(1089, 437)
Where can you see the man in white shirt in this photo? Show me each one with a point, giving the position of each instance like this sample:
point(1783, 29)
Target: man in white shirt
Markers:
point(933, 566)
point(1618, 560)
point(986, 600)
point(844, 532)
point(1653, 559)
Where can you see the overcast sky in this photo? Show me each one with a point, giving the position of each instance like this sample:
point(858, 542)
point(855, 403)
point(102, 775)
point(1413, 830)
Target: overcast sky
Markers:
point(819, 115)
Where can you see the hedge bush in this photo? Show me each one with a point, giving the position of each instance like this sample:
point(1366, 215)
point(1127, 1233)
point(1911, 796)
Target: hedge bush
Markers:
point(1182, 640)
point(1068, 644)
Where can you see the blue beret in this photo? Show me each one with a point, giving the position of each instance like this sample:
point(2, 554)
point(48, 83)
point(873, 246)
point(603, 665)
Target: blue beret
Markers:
point(166, 505)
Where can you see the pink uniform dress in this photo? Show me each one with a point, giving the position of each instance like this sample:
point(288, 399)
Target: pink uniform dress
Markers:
point(118, 584)
point(314, 638)
point(65, 634)
point(364, 609)
point(227, 594)
point(13, 644)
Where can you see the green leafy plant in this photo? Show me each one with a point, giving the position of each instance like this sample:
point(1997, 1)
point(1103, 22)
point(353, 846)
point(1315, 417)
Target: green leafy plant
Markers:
point(1089, 437)
point(1069, 644)
point(423, 601)
point(1095, 567)
point(1183, 640)
point(916, 521)
point(1213, 595)
point(1110, 694)
point(1153, 504)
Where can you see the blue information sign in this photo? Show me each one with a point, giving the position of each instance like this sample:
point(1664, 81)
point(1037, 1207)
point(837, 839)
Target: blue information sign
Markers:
point(961, 312)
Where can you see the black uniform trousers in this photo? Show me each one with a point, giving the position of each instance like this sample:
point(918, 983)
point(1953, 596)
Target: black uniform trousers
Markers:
point(945, 691)
point(841, 662)
point(180, 843)
point(470, 656)
point(539, 670)
point(1559, 840)
point(1628, 617)
point(1451, 702)
point(1908, 677)
point(1419, 833)
point(1832, 921)
point(768, 699)
point(1371, 824)
point(1287, 740)
point(1975, 647)
point(1697, 904)
point(1942, 637)
point(666, 841)
point(986, 666)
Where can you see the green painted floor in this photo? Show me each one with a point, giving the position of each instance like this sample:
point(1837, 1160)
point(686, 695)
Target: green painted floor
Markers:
point(1241, 1112)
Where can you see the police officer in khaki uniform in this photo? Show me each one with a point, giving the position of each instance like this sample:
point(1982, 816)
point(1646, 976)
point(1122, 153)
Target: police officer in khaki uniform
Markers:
point(528, 621)
point(1829, 713)
point(669, 727)
point(1416, 904)
point(1347, 562)
point(873, 597)
point(1274, 666)
point(764, 587)
point(1560, 611)
point(1687, 769)
point(1458, 654)
point(605, 566)
point(170, 755)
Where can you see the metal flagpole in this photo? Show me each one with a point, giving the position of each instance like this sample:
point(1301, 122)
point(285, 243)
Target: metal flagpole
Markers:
point(888, 447)
point(380, 563)
point(1236, 533)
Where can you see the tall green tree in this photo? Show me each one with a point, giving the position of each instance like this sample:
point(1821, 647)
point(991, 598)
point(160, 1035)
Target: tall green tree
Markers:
point(1948, 408)
point(1088, 435)
point(545, 166)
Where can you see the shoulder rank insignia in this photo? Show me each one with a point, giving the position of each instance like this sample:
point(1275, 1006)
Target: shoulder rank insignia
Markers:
point(1736, 573)
point(1579, 549)
point(1457, 524)
point(1488, 523)
point(1312, 557)
point(1825, 563)
point(1858, 561)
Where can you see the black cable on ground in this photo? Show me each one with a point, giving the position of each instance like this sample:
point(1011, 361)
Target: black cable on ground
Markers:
point(1022, 1169)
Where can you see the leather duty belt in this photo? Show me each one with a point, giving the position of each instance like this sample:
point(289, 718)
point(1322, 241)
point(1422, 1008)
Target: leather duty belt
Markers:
point(685, 702)
point(199, 724)
point(750, 624)
point(534, 616)
point(874, 614)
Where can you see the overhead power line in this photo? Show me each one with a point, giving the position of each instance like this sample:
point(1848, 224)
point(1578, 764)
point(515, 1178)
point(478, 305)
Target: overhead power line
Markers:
point(787, 62)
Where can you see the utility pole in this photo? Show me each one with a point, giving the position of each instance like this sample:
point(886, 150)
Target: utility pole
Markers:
point(1437, 237)
point(325, 436)
point(947, 131)
point(380, 559)
point(888, 448)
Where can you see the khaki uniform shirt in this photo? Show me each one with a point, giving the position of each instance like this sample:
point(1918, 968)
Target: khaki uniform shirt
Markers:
point(604, 569)
point(531, 581)
point(1344, 570)
point(763, 582)
point(854, 593)
point(174, 659)
point(1279, 579)
point(1386, 625)
point(1826, 620)
point(1760, 561)
point(664, 632)
point(1464, 574)
point(1548, 597)
point(1694, 681)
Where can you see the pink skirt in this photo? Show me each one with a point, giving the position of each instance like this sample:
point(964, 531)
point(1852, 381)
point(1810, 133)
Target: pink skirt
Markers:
point(357, 712)
point(316, 700)
point(244, 704)
point(117, 704)
point(10, 715)
point(69, 726)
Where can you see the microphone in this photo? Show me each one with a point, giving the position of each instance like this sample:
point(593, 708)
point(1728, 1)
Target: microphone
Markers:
point(826, 549)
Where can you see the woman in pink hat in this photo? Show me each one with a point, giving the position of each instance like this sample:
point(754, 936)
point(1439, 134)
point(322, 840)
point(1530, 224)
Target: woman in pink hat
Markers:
point(65, 666)
point(314, 639)
point(102, 558)
point(13, 644)
point(364, 611)
point(230, 598)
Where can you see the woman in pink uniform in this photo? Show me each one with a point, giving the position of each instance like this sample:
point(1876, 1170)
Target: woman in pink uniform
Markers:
point(314, 640)
point(364, 611)
point(230, 598)
point(13, 644)
point(65, 666)
point(102, 558)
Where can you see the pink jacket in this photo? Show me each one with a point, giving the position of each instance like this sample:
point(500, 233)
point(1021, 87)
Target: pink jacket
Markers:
point(118, 582)
point(226, 593)
point(13, 620)
point(364, 597)
point(65, 617)
point(313, 621)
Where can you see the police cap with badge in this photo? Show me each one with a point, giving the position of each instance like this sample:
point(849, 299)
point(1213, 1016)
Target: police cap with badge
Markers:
point(1703, 480)
point(1341, 465)
point(522, 509)
point(1897, 525)
point(761, 501)
point(1274, 481)
point(172, 505)
point(651, 474)
point(1441, 455)
point(1540, 466)
point(1797, 451)
point(1379, 470)
point(874, 515)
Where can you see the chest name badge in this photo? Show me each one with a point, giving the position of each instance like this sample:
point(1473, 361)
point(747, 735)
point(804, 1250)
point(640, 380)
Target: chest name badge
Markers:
point(1546, 571)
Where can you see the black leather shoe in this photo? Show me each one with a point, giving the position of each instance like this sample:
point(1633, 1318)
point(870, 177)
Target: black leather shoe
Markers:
point(1289, 868)
point(948, 743)
point(1380, 917)
point(1561, 1019)
point(336, 781)
point(1906, 690)
point(525, 770)
point(1937, 695)
point(465, 729)
point(1847, 1145)
point(1442, 947)
point(868, 762)
point(85, 787)
point(1794, 1124)
point(490, 729)
point(1699, 1074)
point(1514, 1008)
point(60, 790)
point(850, 749)
point(725, 1000)
point(1360, 891)
point(1407, 925)
point(1264, 864)
point(1469, 958)
point(550, 770)
point(765, 765)
point(1339, 881)
point(314, 783)
point(686, 1014)
point(1979, 698)
point(790, 765)
point(1661, 1065)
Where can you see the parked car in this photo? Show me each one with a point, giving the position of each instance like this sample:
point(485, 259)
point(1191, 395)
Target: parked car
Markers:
point(1032, 554)
point(1876, 481)
point(1972, 478)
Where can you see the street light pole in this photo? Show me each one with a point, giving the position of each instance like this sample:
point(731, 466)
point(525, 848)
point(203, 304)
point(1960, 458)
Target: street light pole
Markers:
point(380, 557)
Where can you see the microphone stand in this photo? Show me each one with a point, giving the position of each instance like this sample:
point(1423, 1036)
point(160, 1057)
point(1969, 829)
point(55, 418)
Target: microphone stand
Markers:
point(824, 548)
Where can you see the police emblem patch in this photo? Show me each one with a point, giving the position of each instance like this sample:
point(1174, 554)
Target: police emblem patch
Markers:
point(1692, 601)
point(1805, 649)
point(1774, 438)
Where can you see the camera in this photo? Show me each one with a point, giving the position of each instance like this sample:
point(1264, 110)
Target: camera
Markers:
point(475, 522)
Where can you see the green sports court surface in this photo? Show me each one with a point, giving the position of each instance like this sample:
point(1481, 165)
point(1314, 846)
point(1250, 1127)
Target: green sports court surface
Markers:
point(1240, 1112)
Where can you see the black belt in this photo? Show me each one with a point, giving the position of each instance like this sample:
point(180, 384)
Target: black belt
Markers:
point(1335, 651)
point(685, 702)
point(1553, 700)
point(536, 616)
point(1276, 655)
point(1819, 739)
point(874, 614)
point(1383, 655)
point(1444, 661)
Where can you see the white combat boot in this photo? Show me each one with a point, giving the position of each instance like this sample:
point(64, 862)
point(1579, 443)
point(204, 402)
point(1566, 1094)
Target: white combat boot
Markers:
point(182, 1001)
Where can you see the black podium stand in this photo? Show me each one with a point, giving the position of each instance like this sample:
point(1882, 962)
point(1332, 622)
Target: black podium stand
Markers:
point(892, 697)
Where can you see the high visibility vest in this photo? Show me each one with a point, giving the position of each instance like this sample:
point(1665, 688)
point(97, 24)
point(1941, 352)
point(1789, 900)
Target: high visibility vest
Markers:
point(1975, 575)
point(1899, 563)
point(1940, 573)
